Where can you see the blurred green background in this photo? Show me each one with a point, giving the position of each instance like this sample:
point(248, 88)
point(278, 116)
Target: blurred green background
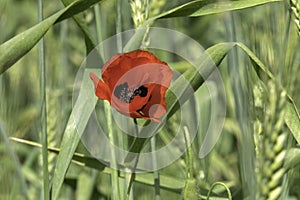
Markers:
point(268, 30)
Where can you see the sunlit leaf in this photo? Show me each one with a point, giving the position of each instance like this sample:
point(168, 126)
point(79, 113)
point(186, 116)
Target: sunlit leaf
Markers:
point(200, 8)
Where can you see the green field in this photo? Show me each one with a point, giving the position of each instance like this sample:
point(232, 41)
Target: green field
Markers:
point(232, 124)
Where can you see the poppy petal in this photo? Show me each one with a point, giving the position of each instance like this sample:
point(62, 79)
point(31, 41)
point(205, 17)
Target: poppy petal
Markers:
point(158, 98)
point(101, 89)
point(119, 65)
point(135, 84)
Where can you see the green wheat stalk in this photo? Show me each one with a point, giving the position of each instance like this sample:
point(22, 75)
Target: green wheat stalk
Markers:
point(191, 189)
point(270, 140)
point(53, 124)
point(44, 139)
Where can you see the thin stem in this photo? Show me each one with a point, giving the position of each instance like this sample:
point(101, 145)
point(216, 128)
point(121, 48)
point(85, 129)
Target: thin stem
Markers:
point(147, 9)
point(189, 157)
point(130, 183)
point(238, 81)
point(98, 28)
point(130, 172)
point(155, 173)
point(44, 139)
point(119, 25)
point(115, 176)
point(221, 184)
point(285, 46)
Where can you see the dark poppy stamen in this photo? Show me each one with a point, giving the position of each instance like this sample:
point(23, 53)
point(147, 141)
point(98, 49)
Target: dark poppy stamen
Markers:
point(125, 94)
point(141, 91)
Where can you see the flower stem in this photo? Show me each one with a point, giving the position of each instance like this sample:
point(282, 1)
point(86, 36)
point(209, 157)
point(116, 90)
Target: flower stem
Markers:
point(119, 25)
point(113, 164)
point(44, 139)
point(115, 177)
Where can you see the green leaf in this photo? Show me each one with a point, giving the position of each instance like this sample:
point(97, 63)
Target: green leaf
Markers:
point(85, 185)
point(15, 48)
point(82, 110)
point(292, 158)
point(207, 7)
point(136, 40)
point(213, 54)
point(76, 7)
point(255, 60)
point(292, 119)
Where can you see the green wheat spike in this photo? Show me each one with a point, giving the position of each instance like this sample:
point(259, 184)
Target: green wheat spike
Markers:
point(295, 7)
point(270, 140)
point(53, 126)
point(139, 12)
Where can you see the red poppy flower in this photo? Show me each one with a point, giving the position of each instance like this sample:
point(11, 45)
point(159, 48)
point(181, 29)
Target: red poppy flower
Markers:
point(135, 84)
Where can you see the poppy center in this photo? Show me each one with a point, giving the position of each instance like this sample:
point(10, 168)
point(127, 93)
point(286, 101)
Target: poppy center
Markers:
point(126, 94)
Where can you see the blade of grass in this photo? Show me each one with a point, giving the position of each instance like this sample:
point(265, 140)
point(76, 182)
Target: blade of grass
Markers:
point(98, 29)
point(119, 25)
point(292, 158)
point(166, 182)
point(292, 119)
point(190, 189)
point(80, 159)
point(43, 136)
point(200, 8)
point(76, 7)
point(156, 177)
point(114, 174)
point(255, 60)
point(136, 41)
point(115, 178)
point(15, 48)
point(82, 110)
point(85, 185)
point(15, 161)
